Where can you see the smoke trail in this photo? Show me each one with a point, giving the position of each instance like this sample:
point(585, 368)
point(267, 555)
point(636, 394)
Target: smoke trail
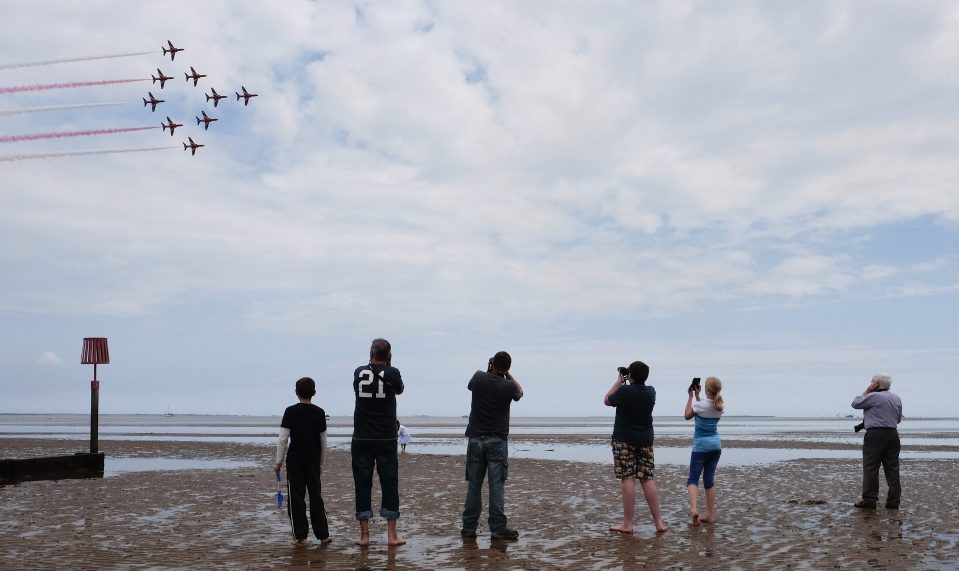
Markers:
point(10, 158)
point(69, 60)
point(22, 88)
point(35, 136)
point(57, 108)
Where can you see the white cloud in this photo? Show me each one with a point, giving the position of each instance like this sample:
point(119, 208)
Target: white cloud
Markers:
point(50, 358)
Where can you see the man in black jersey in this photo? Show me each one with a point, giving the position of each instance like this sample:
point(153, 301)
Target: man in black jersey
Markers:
point(488, 428)
point(374, 440)
point(304, 424)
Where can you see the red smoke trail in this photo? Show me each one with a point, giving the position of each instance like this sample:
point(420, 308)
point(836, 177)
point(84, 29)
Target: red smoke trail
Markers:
point(57, 108)
point(22, 88)
point(77, 154)
point(69, 60)
point(33, 137)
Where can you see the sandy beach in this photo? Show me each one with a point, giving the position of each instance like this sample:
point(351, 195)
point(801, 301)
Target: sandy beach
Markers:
point(795, 514)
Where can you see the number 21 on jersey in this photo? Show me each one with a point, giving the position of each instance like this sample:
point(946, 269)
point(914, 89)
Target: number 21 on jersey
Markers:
point(367, 378)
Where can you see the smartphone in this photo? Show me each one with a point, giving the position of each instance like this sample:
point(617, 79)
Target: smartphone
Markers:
point(695, 384)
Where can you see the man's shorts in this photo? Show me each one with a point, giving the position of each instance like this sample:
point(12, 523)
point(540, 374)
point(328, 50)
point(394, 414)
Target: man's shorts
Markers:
point(630, 461)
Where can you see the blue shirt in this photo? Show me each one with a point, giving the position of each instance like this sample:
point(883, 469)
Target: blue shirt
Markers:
point(880, 409)
point(706, 434)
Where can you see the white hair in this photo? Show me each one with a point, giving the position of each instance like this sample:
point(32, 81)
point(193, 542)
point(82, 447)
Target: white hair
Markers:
point(883, 380)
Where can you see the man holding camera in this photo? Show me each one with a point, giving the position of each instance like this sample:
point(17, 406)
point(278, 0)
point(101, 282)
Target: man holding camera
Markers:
point(488, 428)
point(374, 440)
point(633, 442)
point(882, 412)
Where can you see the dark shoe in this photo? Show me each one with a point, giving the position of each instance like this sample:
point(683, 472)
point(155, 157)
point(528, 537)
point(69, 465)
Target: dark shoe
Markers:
point(468, 533)
point(865, 505)
point(505, 534)
point(892, 506)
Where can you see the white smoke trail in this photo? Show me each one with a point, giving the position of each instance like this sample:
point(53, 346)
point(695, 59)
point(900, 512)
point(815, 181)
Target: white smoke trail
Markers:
point(10, 158)
point(4, 112)
point(68, 60)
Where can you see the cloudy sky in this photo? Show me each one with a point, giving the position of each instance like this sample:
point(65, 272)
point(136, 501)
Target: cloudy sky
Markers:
point(760, 192)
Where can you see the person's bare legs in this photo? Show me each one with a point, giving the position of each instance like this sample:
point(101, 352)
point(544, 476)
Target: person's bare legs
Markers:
point(710, 505)
point(693, 493)
point(391, 537)
point(364, 539)
point(652, 500)
point(628, 486)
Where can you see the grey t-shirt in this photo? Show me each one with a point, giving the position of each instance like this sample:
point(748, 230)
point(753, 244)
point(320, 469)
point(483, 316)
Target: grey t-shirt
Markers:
point(880, 409)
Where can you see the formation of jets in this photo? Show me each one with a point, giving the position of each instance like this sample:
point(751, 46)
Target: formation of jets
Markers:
point(152, 101)
point(195, 76)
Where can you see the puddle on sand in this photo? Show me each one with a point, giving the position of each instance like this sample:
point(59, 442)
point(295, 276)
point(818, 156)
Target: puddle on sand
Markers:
point(114, 466)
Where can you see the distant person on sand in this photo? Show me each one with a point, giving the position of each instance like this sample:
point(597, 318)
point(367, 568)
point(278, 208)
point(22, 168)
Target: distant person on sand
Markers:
point(707, 446)
point(633, 442)
point(304, 425)
point(882, 413)
point(404, 435)
point(374, 440)
point(494, 390)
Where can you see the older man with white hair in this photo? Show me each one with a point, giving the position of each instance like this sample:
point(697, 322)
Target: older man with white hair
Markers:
point(882, 412)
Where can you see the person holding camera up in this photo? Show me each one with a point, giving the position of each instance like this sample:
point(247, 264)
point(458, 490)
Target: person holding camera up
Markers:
point(374, 440)
point(633, 442)
point(706, 445)
point(882, 413)
point(488, 428)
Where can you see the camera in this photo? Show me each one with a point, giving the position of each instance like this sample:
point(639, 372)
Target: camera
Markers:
point(624, 372)
point(859, 426)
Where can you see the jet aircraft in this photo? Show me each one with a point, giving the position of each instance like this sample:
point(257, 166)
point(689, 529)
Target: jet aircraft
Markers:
point(152, 101)
point(216, 97)
point(170, 125)
point(206, 120)
point(172, 50)
point(246, 96)
point(194, 76)
point(162, 79)
point(192, 146)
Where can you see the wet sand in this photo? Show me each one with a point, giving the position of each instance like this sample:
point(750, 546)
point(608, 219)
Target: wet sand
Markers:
point(795, 514)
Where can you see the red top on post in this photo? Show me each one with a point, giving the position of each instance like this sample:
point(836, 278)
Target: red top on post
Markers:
point(95, 351)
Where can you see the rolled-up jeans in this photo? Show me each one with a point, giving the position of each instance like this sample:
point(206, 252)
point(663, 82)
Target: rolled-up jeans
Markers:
point(381, 454)
point(486, 454)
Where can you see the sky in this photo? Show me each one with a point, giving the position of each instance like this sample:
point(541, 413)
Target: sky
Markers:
point(762, 192)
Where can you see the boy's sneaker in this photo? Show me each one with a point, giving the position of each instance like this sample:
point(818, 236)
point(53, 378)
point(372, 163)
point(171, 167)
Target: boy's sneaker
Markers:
point(505, 534)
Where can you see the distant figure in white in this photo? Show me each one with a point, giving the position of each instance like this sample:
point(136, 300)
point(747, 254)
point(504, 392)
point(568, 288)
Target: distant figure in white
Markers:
point(404, 437)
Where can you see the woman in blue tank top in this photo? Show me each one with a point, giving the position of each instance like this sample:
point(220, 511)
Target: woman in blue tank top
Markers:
point(706, 446)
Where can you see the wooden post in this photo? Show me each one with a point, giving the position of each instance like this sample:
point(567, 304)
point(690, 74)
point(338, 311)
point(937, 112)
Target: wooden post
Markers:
point(94, 412)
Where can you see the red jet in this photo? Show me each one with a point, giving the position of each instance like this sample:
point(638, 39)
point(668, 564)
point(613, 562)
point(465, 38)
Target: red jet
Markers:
point(172, 50)
point(192, 146)
point(206, 120)
point(246, 96)
point(152, 101)
point(216, 97)
point(162, 79)
point(170, 125)
point(194, 76)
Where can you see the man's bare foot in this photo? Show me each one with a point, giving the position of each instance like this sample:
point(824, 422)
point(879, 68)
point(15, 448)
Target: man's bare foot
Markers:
point(696, 519)
point(395, 540)
point(622, 528)
point(708, 518)
point(326, 540)
point(364, 540)
point(300, 543)
point(661, 526)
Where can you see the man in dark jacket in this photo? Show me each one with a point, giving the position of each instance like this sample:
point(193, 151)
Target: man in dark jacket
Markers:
point(488, 428)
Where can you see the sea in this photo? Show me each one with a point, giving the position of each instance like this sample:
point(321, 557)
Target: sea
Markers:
point(761, 440)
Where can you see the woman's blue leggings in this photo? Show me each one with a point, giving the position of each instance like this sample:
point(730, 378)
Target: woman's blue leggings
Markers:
point(703, 463)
